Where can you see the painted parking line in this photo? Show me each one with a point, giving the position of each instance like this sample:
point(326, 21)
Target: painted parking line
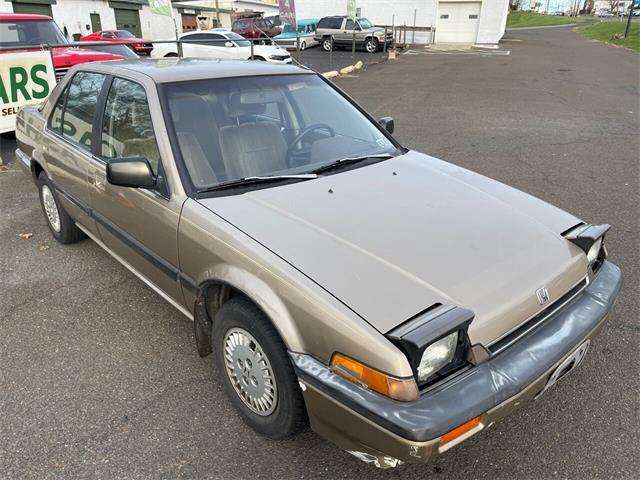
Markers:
point(482, 53)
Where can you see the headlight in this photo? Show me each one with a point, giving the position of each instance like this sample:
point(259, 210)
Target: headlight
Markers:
point(437, 355)
point(436, 342)
point(380, 36)
point(590, 238)
point(592, 255)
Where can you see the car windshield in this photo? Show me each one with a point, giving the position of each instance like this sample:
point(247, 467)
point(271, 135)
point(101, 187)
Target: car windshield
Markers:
point(124, 34)
point(231, 129)
point(121, 50)
point(239, 39)
point(30, 32)
point(288, 28)
point(364, 23)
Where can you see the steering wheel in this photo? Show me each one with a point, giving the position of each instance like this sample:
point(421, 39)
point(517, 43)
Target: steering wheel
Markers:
point(306, 131)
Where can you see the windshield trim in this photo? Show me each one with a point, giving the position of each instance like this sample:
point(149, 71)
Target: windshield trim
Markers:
point(193, 192)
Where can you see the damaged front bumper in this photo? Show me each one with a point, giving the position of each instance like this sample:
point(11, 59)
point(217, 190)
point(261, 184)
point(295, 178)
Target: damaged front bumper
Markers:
point(385, 432)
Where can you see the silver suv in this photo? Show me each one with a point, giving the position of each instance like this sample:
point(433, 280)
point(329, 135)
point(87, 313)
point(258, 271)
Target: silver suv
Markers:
point(338, 32)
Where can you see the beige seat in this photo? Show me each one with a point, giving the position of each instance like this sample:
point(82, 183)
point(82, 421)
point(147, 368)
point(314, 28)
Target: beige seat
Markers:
point(252, 149)
point(196, 130)
point(200, 170)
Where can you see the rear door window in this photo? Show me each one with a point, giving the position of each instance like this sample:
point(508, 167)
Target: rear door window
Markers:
point(80, 109)
point(55, 121)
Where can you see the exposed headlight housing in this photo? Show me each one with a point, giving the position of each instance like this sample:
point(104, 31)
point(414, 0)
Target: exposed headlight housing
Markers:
point(590, 238)
point(436, 342)
point(380, 36)
point(437, 355)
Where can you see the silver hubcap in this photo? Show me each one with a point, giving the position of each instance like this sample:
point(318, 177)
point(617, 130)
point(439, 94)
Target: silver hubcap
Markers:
point(250, 372)
point(50, 208)
point(371, 46)
point(327, 44)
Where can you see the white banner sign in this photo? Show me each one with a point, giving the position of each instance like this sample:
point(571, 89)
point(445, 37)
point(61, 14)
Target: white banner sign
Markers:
point(26, 78)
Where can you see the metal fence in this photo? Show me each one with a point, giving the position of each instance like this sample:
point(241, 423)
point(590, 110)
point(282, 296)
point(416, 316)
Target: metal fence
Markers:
point(296, 54)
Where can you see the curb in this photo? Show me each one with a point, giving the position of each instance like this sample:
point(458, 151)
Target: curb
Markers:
point(343, 71)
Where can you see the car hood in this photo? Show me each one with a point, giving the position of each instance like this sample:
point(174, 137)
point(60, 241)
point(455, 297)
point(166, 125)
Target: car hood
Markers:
point(268, 50)
point(391, 239)
point(70, 56)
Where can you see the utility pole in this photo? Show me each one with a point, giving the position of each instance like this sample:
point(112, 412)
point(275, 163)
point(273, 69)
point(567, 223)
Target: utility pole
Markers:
point(218, 14)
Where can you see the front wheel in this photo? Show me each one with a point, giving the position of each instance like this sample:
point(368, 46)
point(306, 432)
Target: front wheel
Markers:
point(303, 45)
point(255, 369)
point(371, 45)
point(62, 227)
point(327, 44)
point(169, 55)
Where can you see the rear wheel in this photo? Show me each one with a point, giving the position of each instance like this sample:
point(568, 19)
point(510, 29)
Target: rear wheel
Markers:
point(328, 44)
point(303, 45)
point(371, 45)
point(255, 369)
point(62, 227)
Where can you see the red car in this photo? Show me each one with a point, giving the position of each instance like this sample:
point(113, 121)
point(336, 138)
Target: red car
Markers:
point(120, 36)
point(29, 32)
point(255, 27)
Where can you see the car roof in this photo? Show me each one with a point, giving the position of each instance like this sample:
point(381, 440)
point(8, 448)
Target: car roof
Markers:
point(168, 70)
point(23, 16)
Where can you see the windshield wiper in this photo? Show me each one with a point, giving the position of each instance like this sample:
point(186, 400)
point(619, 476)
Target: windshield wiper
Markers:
point(343, 161)
point(257, 179)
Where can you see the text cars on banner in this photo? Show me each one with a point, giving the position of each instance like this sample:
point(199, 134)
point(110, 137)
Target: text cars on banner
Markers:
point(26, 78)
point(287, 11)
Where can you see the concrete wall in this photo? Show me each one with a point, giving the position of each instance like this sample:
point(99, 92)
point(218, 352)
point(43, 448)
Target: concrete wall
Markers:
point(493, 15)
point(493, 21)
point(74, 14)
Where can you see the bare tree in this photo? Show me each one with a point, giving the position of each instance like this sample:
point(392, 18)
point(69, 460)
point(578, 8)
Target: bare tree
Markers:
point(588, 6)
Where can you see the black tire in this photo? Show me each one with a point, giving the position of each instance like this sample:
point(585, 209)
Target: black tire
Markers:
point(260, 59)
point(289, 414)
point(328, 44)
point(170, 55)
point(64, 230)
point(371, 45)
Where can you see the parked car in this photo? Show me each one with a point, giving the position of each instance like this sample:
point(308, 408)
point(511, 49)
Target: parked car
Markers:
point(603, 13)
point(255, 27)
point(338, 31)
point(29, 32)
point(303, 34)
point(225, 45)
point(141, 47)
point(398, 303)
point(559, 13)
point(121, 50)
point(275, 20)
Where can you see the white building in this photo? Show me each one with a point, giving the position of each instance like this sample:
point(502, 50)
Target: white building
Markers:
point(455, 21)
point(86, 16)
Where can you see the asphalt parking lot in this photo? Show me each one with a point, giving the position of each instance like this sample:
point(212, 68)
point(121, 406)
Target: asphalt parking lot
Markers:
point(99, 377)
point(317, 59)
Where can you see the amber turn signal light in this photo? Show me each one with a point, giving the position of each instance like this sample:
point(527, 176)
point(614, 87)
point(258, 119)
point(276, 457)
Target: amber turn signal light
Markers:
point(460, 433)
point(402, 389)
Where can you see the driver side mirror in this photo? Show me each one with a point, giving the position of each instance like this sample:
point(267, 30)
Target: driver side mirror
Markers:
point(228, 44)
point(387, 123)
point(134, 172)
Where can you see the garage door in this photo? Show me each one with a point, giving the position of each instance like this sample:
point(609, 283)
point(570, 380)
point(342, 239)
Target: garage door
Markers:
point(38, 9)
point(457, 22)
point(128, 20)
point(189, 22)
